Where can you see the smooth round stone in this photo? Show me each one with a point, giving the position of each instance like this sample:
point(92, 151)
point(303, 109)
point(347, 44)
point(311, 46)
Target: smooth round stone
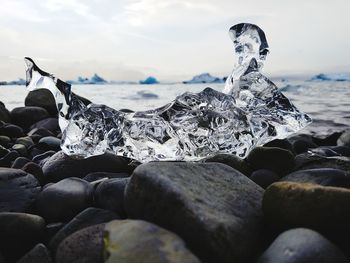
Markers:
point(61, 166)
point(41, 98)
point(18, 190)
point(321, 176)
point(20, 148)
point(5, 141)
point(289, 204)
point(328, 140)
point(20, 162)
point(83, 246)
point(43, 157)
point(6, 161)
point(26, 141)
point(232, 161)
point(89, 217)
point(3, 151)
point(199, 201)
point(63, 200)
point(275, 159)
point(26, 116)
point(302, 245)
point(34, 169)
point(264, 177)
point(310, 161)
point(109, 195)
point(302, 143)
point(39, 254)
point(344, 139)
point(19, 232)
point(41, 132)
point(284, 144)
point(91, 177)
point(50, 143)
point(143, 242)
point(11, 130)
point(50, 124)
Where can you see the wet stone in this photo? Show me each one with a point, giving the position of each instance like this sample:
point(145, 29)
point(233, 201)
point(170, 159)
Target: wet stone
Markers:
point(11, 130)
point(39, 254)
point(320, 176)
point(41, 98)
point(18, 190)
point(63, 200)
point(264, 178)
point(26, 116)
point(19, 232)
point(279, 160)
point(88, 217)
point(302, 245)
point(109, 195)
point(140, 241)
point(289, 204)
point(61, 166)
point(20, 162)
point(207, 201)
point(84, 246)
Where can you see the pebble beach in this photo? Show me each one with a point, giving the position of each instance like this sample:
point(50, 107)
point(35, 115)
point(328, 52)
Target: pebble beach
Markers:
point(288, 201)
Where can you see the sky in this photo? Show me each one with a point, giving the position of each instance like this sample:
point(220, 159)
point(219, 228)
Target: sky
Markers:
point(172, 40)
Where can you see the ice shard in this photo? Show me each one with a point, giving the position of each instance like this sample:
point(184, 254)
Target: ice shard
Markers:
point(250, 112)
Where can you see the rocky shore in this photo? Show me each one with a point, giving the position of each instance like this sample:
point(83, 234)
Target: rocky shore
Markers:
point(288, 201)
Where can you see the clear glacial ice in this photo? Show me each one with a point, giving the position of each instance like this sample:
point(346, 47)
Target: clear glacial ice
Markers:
point(249, 112)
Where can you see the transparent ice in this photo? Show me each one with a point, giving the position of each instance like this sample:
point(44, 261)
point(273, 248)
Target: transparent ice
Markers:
point(250, 112)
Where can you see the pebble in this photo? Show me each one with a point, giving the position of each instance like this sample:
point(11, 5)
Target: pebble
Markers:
point(49, 143)
point(232, 161)
point(199, 202)
point(264, 177)
point(84, 246)
point(278, 160)
point(320, 176)
point(289, 204)
point(88, 217)
point(301, 245)
point(5, 141)
point(4, 113)
point(109, 195)
point(6, 160)
point(63, 200)
point(18, 190)
point(20, 162)
point(143, 242)
point(11, 130)
point(60, 166)
point(41, 98)
point(35, 169)
point(27, 116)
point(39, 254)
point(50, 124)
point(19, 232)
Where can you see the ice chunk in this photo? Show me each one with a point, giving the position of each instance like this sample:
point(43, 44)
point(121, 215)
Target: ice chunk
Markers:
point(195, 125)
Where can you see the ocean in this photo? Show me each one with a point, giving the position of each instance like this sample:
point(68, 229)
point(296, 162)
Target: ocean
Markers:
point(327, 102)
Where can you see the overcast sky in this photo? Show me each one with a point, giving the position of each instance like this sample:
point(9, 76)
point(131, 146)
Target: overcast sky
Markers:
point(170, 39)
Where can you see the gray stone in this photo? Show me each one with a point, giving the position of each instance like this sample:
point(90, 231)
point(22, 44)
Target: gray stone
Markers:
point(41, 98)
point(143, 242)
point(279, 160)
point(325, 208)
point(63, 200)
point(321, 176)
point(302, 245)
point(232, 161)
point(83, 246)
point(19, 232)
point(344, 139)
point(264, 177)
point(18, 190)
point(39, 254)
point(109, 195)
point(88, 217)
point(213, 207)
point(26, 116)
point(61, 166)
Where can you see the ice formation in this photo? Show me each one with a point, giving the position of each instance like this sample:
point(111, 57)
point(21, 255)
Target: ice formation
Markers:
point(250, 112)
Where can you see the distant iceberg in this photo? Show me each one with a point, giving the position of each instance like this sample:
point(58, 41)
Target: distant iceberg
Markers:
point(20, 81)
point(331, 77)
point(149, 80)
point(204, 78)
point(95, 79)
